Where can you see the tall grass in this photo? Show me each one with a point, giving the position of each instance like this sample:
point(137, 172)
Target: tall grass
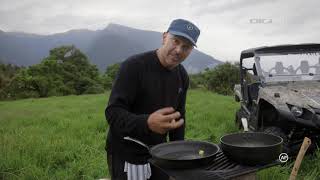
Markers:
point(64, 137)
point(53, 138)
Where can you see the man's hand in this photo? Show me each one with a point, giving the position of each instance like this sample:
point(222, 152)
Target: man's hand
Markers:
point(163, 120)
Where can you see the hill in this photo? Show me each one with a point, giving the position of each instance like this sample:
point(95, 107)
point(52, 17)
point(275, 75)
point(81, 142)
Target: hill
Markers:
point(104, 47)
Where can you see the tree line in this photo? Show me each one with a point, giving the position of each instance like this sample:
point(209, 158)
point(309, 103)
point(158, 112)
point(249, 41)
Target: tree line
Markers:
point(68, 71)
point(65, 71)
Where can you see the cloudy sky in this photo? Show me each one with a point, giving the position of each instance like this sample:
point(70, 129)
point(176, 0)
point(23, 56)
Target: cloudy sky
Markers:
point(227, 26)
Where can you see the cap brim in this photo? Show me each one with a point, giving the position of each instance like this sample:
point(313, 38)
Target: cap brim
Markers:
point(185, 36)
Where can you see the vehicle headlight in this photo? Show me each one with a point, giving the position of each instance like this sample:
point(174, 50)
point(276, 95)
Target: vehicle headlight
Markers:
point(296, 111)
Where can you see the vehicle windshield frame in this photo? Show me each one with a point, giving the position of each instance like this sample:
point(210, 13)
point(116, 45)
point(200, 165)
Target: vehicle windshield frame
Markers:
point(258, 57)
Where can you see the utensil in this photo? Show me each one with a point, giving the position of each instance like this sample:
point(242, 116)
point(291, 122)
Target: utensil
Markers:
point(251, 148)
point(181, 154)
point(303, 149)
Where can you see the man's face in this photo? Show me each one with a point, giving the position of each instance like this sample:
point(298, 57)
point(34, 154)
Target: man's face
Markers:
point(175, 49)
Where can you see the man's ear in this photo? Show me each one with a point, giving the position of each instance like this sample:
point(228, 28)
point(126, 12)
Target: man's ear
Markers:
point(164, 37)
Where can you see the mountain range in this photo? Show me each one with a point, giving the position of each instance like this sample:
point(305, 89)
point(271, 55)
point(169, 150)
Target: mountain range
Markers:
point(103, 47)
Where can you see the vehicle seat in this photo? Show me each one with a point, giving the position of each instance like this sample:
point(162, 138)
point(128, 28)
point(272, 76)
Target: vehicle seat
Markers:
point(279, 68)
point(304, 67)
point(317, 66)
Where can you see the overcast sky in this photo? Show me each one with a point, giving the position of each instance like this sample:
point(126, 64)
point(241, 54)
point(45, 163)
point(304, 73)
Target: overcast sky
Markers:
point(227, 26)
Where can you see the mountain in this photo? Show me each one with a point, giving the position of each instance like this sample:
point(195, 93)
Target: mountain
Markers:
point(104, 47)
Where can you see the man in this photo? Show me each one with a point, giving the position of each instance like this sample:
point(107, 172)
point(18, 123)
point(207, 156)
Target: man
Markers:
point(148, 99)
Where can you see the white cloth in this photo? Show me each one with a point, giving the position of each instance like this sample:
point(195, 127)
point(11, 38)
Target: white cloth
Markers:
point(137, 171)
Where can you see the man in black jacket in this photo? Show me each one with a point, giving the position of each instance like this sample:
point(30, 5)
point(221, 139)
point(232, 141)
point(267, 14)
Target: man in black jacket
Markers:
point(148, 99)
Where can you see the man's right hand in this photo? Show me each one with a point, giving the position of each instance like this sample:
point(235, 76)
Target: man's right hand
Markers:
point(163, 120)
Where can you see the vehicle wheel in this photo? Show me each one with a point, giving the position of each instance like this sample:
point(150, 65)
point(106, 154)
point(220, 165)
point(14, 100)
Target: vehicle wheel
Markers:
point(278, 132)
point(268, 116)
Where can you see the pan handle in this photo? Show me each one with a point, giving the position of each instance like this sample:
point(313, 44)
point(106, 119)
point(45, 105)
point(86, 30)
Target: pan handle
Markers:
point(136, 141)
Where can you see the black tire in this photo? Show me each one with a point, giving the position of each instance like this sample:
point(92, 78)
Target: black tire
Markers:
point(268, 117)
point(279, 132)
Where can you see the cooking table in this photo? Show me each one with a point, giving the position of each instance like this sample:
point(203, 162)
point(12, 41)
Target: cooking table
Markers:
point(221, 168)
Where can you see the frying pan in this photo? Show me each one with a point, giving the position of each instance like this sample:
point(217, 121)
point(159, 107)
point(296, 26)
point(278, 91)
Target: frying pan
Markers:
point(252, 148)
point(181, 154)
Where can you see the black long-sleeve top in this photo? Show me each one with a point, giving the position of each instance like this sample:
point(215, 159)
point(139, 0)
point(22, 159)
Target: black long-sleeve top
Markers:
point(143, 86)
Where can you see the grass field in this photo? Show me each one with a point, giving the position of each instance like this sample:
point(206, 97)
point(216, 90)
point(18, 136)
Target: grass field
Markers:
point(64, 137)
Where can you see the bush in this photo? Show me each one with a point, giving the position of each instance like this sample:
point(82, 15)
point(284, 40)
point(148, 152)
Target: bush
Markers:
point(197, 81)
point(220, 79)
point(107, 81)
point(110, 75)
point(96, 89)
point(7, 73)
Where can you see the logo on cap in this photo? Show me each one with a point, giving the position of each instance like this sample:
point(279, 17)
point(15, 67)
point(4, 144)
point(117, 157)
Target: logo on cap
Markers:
point(189, 27)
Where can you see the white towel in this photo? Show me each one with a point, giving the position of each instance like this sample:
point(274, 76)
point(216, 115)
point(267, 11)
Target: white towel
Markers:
point(137, 171)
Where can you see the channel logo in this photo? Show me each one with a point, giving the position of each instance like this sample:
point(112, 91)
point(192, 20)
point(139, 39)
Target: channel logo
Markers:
point(283, 157)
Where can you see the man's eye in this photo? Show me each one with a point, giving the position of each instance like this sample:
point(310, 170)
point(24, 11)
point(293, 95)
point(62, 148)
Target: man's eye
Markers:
point(186, 47)
point(175, 41)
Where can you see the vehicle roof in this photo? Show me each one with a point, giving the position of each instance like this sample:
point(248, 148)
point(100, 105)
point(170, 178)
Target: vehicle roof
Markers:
point(279, 48)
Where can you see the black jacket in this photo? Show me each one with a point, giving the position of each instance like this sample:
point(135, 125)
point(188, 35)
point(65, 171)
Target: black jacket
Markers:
point(143, 86)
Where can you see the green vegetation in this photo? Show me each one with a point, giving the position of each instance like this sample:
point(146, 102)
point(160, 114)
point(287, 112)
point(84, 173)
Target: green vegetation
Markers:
point(221, 79)
point(65, 71)
point(68, 71)
point(7, 72)
point(53, 138)
point(64, 137)
point(110, 75)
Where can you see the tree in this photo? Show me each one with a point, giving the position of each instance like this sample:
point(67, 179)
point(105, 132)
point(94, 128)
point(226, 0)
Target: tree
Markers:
point(7, 73)
point(65, 71)
point(110, 75)
point(112, 70)
point(197, 80)
point(222, 78)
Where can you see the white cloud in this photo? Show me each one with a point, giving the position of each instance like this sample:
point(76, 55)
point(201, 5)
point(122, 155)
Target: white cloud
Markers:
point(225, 24)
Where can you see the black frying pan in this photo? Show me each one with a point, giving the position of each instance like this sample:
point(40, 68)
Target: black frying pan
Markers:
point(182, 154)
point(252, 148)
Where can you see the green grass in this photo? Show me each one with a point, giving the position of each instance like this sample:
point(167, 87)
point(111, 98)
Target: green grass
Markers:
point(64, 137)
point(53, 138)
point(209, 115)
